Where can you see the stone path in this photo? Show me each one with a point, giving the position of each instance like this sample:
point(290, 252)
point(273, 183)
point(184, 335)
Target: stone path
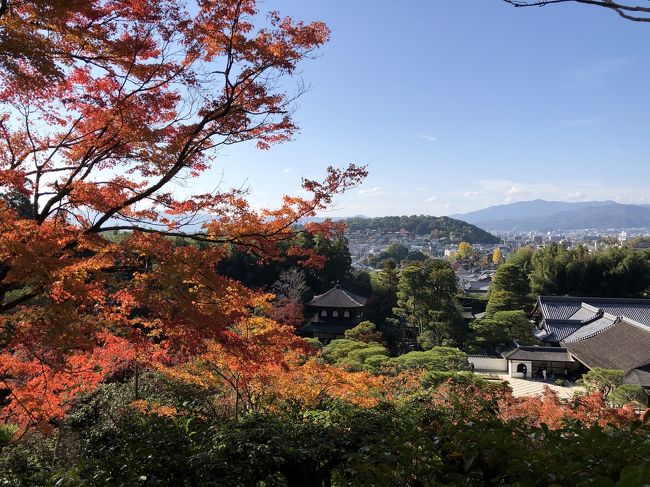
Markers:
point(521, 387)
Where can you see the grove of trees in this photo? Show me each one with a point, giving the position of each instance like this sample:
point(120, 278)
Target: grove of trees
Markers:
point(436, 227)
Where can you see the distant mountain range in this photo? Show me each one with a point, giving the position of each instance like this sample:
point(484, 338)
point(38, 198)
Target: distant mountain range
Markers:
point(541, 215)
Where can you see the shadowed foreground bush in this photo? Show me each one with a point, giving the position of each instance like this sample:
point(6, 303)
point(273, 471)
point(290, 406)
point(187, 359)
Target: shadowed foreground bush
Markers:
point(455, 433)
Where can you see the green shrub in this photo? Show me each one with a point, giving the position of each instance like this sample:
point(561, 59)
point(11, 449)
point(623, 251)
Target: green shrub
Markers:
point(7, 432)
point(436, 359)
point(628, 394)
point(354, 355)
point(436, 378)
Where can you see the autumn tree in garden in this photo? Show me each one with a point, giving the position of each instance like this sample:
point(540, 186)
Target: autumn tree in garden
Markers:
point(289, 290)
point(105, 108)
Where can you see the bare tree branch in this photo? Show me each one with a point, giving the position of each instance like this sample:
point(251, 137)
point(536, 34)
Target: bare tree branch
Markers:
point(629, 11)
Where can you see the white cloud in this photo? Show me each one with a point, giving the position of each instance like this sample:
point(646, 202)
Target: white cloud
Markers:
point(431, 199)
point(374, 191)
point(430, 138)
point(516, 189)
point(578, 195)
point(470, 194)
point(287, 170)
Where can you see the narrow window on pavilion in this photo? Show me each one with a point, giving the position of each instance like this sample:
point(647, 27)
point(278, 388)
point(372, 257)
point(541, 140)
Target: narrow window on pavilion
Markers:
point(335, 314)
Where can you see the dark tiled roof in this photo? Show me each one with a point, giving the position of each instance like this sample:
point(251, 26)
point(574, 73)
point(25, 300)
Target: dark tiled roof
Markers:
point(548, 354)
point(624, 345)
point(557, 330)
point(479, 285)
point(640, 376)
point(467, 313)
point(586, 313)
point(338, 297)
point(558, 308)
point(639, 312)
point(592, 328)
point(562, 308)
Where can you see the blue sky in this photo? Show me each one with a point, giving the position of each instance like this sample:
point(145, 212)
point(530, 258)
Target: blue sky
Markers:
point(455, 105)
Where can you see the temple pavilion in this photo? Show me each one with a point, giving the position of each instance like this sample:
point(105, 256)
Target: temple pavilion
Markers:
point(332, 313)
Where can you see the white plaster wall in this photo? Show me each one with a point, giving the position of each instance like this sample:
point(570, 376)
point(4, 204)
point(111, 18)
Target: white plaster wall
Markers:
point(512, 368)
point(488, 363)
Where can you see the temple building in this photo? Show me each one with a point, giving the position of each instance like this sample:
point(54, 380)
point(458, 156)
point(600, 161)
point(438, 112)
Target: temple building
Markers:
point(579, 334)
point(332, 313)
point(559, 317)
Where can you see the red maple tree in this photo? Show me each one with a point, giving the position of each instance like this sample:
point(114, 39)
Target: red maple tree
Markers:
point(105, 106)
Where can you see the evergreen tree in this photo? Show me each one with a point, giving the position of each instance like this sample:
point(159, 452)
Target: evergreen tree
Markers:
point(426, 298)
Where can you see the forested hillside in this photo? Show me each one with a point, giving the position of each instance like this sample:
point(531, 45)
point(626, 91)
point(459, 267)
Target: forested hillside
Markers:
point(436, 226)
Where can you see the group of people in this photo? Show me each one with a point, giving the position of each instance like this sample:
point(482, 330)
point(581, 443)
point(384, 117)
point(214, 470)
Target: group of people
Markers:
point(543, 374)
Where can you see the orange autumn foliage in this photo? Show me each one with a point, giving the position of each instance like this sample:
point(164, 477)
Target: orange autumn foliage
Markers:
point(312, 382)
point(553, 411)
point(147, 407)
point(261, 365)
point(105, 107)
point(461, 402)
point(42, 384)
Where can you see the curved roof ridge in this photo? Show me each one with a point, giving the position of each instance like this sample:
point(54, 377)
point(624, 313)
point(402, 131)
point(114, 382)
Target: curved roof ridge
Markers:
point(635, 323)
point(585, 299)
point(599, 314)
point(616, 320)
point(590, 307)
point(340, 290)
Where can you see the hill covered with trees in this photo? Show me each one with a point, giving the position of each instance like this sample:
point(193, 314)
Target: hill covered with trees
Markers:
point(436, 226)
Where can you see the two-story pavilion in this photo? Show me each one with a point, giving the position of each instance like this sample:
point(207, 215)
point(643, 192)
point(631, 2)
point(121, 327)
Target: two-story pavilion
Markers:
point(333, 312)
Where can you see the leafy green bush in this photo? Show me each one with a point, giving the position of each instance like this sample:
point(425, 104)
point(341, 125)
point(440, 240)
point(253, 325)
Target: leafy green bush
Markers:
point(435, 378)
point(436, 359)
point(315, 343)
point(628, 394)
point(354, 355)
point(455, 438)
point(7, 432)
point(602, 380)
point(366, 331)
